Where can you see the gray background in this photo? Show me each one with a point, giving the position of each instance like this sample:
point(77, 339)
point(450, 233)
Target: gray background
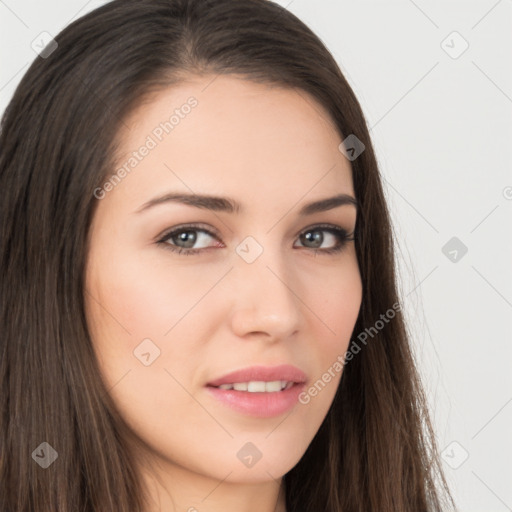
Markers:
point(442, 128)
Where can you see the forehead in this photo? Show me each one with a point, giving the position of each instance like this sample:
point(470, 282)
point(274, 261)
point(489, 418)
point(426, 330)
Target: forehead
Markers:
point(223, 134)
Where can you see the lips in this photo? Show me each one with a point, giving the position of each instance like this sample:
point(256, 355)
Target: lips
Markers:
point(283, 372)
point(260, 391)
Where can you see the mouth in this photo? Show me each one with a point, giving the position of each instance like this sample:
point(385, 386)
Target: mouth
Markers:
point(258, 386)
point(259, 391)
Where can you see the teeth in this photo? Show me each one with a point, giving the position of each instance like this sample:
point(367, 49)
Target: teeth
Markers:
point(258, 386)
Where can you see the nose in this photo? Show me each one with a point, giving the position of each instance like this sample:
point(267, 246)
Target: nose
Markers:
point(264, 300)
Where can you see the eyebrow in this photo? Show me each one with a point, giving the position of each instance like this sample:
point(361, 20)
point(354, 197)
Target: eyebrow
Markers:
point(228, 205)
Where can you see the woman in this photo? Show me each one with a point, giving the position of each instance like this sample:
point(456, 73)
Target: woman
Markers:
point(267, 368)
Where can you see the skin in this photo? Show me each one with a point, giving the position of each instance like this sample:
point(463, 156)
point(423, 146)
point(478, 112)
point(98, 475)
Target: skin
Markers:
point(272, 149)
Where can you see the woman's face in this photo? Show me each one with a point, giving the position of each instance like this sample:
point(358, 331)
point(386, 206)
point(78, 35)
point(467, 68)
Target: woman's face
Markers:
point(261, 290)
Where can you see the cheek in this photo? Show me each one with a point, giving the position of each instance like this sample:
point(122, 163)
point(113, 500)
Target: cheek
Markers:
point(140, 310)
point(336, 306)
point(131, 306)
point(145, 298)
point(332, 310)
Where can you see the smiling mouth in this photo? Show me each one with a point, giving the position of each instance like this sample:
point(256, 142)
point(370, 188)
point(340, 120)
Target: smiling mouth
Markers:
point(255, 386)
point(259, 399)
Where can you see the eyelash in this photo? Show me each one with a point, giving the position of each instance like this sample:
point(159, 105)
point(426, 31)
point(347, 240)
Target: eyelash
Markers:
point(341, 234)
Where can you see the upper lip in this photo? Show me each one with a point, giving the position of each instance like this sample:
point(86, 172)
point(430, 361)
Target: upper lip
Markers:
point(284, 372)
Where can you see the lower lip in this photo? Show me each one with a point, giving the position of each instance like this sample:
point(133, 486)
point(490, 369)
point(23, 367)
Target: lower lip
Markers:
point(261, 405)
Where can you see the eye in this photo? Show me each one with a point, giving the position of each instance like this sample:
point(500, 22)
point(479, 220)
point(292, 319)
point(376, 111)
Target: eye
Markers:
point(186, 235)
point(314, 235)
point(181, 239)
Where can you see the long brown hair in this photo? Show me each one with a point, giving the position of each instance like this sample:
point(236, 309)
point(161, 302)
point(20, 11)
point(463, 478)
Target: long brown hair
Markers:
point(375, 450)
